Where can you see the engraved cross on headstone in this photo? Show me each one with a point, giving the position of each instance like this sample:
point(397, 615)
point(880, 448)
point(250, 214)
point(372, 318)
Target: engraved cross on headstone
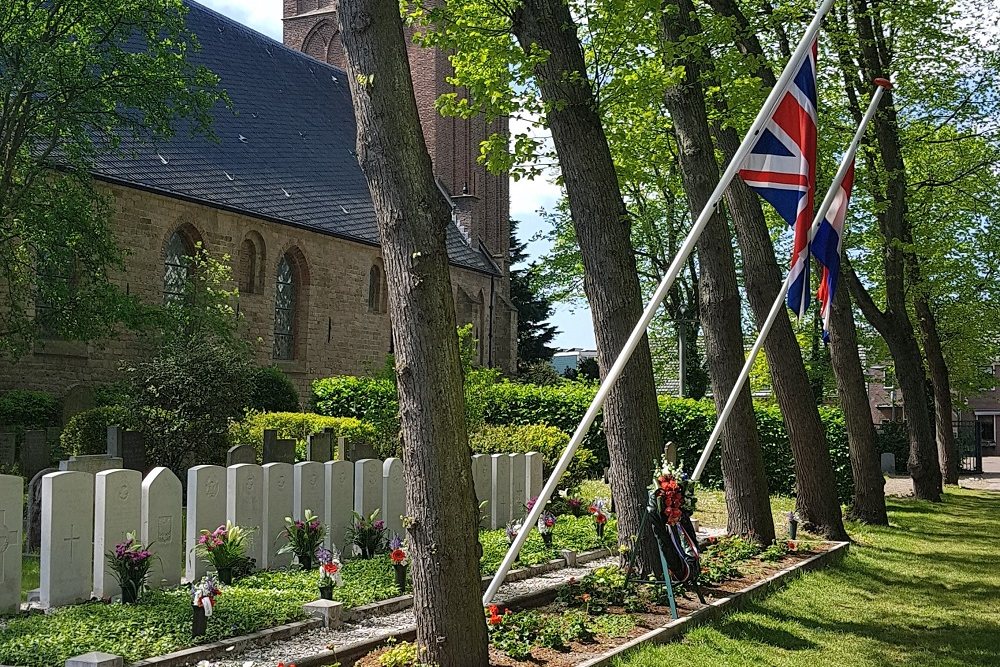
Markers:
point(71, 539)
point(7, 536)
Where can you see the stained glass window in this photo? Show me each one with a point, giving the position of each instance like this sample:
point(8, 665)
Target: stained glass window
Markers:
point(284, 311)
point(175, 268)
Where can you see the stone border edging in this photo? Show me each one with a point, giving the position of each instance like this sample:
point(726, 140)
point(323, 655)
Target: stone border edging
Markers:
point(718, 608)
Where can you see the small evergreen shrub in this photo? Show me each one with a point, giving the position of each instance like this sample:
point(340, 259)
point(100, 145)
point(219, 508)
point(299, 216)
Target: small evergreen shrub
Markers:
point(548, 441)
point(25, 409)
point(87, 432)
point(272, 391)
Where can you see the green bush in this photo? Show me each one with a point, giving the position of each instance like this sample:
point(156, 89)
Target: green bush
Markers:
point(24, 409)
point(272, 391)
point(296, 425)
point(87, 431)
point(548, 441)
point(372, 400)
point(892, 437)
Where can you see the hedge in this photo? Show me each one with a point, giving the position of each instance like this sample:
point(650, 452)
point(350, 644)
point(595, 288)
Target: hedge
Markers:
point(24, 409)
point(296, 425)
point(272, 391)
point(685, 422)
point(87, 432)
point(548, 441)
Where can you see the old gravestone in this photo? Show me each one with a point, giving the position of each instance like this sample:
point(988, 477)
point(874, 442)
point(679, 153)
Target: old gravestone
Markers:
point(117, 501)
point(240, 454)
point(482, 477)
point(517, 486)
point(35, 453)
point(339, 503)
point(500, 512)
point(533, 474)
point(133, 451)
point(11, 490)
point(33, 530)
point(888, 463)
point(278, 450)
point(367, 486)
point(206, 510)
point(320, 447)
point(8, 450)
point(277, 504)
point(309, 490)
point(160, 519)
point(245, 504)
point(393, 495)
point(91, 463)
point(66, 567)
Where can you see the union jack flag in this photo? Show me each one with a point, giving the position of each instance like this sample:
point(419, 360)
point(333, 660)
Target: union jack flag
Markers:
point(826, 248)
point(781, 168)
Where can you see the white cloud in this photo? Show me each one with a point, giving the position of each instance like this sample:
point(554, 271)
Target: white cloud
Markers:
point(261, 15)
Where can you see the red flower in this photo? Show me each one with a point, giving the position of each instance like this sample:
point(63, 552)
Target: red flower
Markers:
point(398, 556)
point(791, 545)
point(495, 620)
point(600, 518)
point(331, 568)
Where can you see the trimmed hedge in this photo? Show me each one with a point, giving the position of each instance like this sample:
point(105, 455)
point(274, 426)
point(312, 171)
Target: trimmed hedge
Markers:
point(546, 440)
point(87, 432)
point(272, 391)
point(685, 422)
point(297, 425)
point(24, 409)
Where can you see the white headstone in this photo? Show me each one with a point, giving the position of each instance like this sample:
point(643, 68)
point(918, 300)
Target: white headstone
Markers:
point(67, 562)
point(500, 491)
point(245, 504)
point(367, 486)
point(117, 500)
point(310, 490)
point(339, 503)
point(206, 510)
point(160, 521)
point(517, 486)
point(482, 479)
point(393, 495)
point(11, 507)
point(533, 475)
point(277, 504)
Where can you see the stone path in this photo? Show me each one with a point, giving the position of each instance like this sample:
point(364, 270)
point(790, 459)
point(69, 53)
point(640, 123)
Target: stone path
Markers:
point(901, 485)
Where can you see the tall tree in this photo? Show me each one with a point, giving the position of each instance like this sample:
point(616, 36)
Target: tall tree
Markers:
point(548, 37)
point(412, 218)
point(534, 333)
point(76, 76)
point(742, 460)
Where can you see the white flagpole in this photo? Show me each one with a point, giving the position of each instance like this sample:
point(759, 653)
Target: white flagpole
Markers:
point(661, 292)
point(881, 86)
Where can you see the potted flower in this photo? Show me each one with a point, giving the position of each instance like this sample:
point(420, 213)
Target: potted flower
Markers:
point(203, 596)
point(225, 549)
point(304, 537)
point(400, 559)
point(513, 528)
point(573, 503)
point(129, 562)
point(367, 534)
point(546, 524)
point(598, 509)
point(793, 526)
point(329, 572)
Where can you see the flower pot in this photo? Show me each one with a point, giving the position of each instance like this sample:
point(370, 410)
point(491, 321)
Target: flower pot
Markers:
point(793, 528)
point(306, 562)
point(400, 577)
point(547, 539)
point(130, 595)
point(326, 592)
point(600, 531)
point(199, 622)
point(225, 574)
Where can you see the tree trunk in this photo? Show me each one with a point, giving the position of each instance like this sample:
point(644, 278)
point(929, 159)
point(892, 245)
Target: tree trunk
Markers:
point(412, 217)
point(742, 460)
point(868, 503)
point(611, 281)
point(946, 447)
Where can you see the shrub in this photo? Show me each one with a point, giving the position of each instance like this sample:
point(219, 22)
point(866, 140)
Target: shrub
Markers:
point(546, 440)
point(372, 400)
point(24, 409)
point(296, 425)
point(87, 432)
point(272, 391)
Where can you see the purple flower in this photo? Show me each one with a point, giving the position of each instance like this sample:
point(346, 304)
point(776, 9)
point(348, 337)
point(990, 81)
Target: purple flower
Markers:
point(324, 555)
point(531, 503)
point(380, 525)
point(314, 525)
point(395, 542)
point(299, 523)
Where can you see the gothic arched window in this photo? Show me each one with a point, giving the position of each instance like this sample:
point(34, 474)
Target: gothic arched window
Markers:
point(375, 289)
point(176, 266)
point(284, 310)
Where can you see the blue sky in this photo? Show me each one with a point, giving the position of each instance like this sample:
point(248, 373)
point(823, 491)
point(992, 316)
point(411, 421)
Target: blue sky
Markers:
point(526, 197)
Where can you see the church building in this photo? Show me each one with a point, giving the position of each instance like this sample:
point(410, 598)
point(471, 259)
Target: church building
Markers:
point(280, 192)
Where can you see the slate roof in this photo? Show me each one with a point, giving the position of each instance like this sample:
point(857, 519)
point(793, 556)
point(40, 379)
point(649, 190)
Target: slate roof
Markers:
point(285, 150)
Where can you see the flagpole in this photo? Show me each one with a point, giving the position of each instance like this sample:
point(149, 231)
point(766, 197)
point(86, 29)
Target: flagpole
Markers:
point(881, 85)
point(661, 292)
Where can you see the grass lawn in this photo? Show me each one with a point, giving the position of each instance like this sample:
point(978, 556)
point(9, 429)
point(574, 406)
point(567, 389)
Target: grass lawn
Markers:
point(924, 591)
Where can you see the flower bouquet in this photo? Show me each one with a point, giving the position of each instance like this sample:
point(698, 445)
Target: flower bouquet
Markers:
point(598, 509)
point(674, 492)
point(225, 549)
point(129, 562)
point(367, 534)
point(203, 596)
point(400, 559)
point(329, 572)
point(513, 528)
point(304, 537)
point(573, 503)
point(546, 524)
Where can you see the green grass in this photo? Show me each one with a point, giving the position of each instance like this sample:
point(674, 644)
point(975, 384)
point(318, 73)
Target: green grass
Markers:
point(921, 592)
point(29, 575)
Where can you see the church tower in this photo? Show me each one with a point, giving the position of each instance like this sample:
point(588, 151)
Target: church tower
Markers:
point(481, 200)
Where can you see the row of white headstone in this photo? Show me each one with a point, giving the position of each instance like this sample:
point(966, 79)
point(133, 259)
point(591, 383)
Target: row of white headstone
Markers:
point(84, 516)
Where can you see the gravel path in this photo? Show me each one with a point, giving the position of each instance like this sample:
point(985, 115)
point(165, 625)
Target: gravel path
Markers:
point(315, 641)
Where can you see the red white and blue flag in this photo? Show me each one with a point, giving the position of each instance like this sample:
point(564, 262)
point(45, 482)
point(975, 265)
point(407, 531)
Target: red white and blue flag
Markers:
point(781, 168)
point(826, 248)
